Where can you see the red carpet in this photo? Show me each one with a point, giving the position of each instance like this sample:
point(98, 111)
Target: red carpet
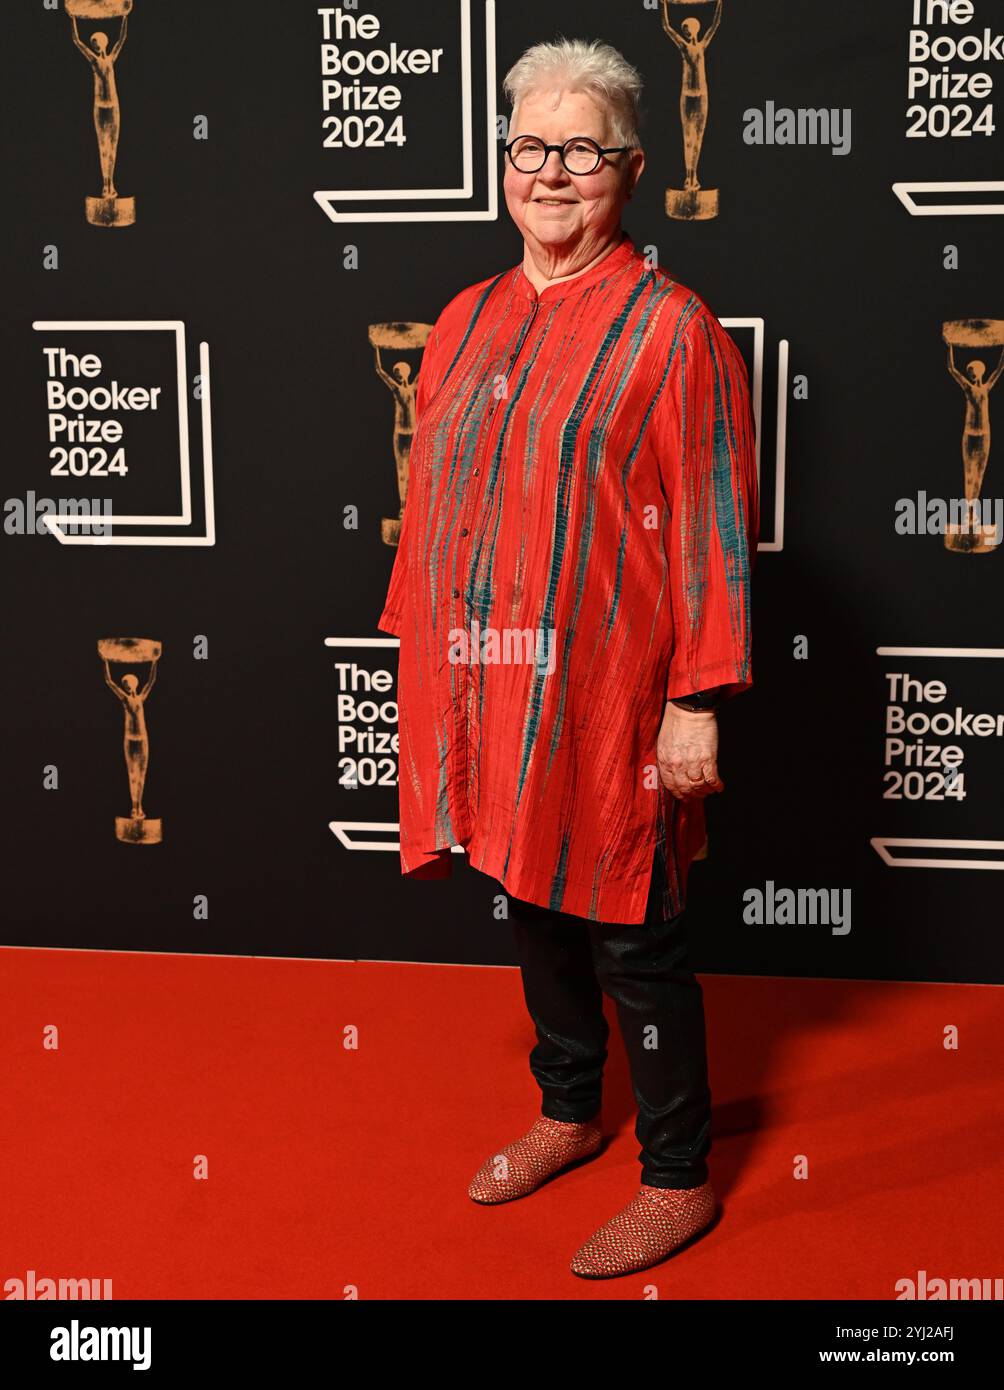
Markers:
point(330, 1167)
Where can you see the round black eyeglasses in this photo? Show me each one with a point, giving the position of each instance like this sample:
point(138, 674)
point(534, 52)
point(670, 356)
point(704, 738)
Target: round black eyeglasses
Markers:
point(579, 155)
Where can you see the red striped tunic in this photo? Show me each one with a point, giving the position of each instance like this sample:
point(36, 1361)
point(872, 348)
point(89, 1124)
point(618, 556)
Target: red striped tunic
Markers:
point(579, 530)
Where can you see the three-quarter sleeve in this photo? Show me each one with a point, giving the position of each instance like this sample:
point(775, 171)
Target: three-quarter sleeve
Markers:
point(707, 452)
point(395, 602)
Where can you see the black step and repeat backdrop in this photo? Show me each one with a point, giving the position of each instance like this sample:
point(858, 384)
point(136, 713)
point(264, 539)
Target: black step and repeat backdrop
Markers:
point(229, 226)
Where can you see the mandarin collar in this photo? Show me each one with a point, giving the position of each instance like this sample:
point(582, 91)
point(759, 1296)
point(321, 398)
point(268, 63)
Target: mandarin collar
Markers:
point(565, 289)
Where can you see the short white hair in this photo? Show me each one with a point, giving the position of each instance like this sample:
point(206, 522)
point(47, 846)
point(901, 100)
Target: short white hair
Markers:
point(573, 65)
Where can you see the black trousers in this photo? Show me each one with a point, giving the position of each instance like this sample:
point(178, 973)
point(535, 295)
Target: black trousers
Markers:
point(567, 963)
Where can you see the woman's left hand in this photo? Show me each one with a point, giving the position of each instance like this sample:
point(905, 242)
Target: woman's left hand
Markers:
point(687, 752)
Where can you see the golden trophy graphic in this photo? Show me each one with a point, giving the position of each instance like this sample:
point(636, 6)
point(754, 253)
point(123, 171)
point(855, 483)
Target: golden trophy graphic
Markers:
point(107, 210)
point(399, 337)
point(134, 829)
point(692, 203)
point(974, 537)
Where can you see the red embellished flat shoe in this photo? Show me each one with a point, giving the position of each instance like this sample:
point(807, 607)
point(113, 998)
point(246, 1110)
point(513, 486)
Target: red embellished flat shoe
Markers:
point(549, 1147)
point(655, 1224)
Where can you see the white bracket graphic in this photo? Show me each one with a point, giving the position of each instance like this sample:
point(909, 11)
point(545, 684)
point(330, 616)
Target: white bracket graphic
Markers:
point(781, 433)
point(327, 198)
point(941, 651)
point(342, 828)
point(184, 518)
point(881, 844)
point(904, 192)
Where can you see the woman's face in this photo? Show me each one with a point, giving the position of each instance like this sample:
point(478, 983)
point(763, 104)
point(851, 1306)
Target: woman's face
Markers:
point(553, 208)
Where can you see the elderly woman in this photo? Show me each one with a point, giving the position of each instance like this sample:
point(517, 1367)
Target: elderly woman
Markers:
point(571, 594)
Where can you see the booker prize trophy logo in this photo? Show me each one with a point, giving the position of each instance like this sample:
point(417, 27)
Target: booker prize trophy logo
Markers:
point(396, 338)
point(107, 209)
point(692, 203)
point(134, 829)
point(974, 536)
